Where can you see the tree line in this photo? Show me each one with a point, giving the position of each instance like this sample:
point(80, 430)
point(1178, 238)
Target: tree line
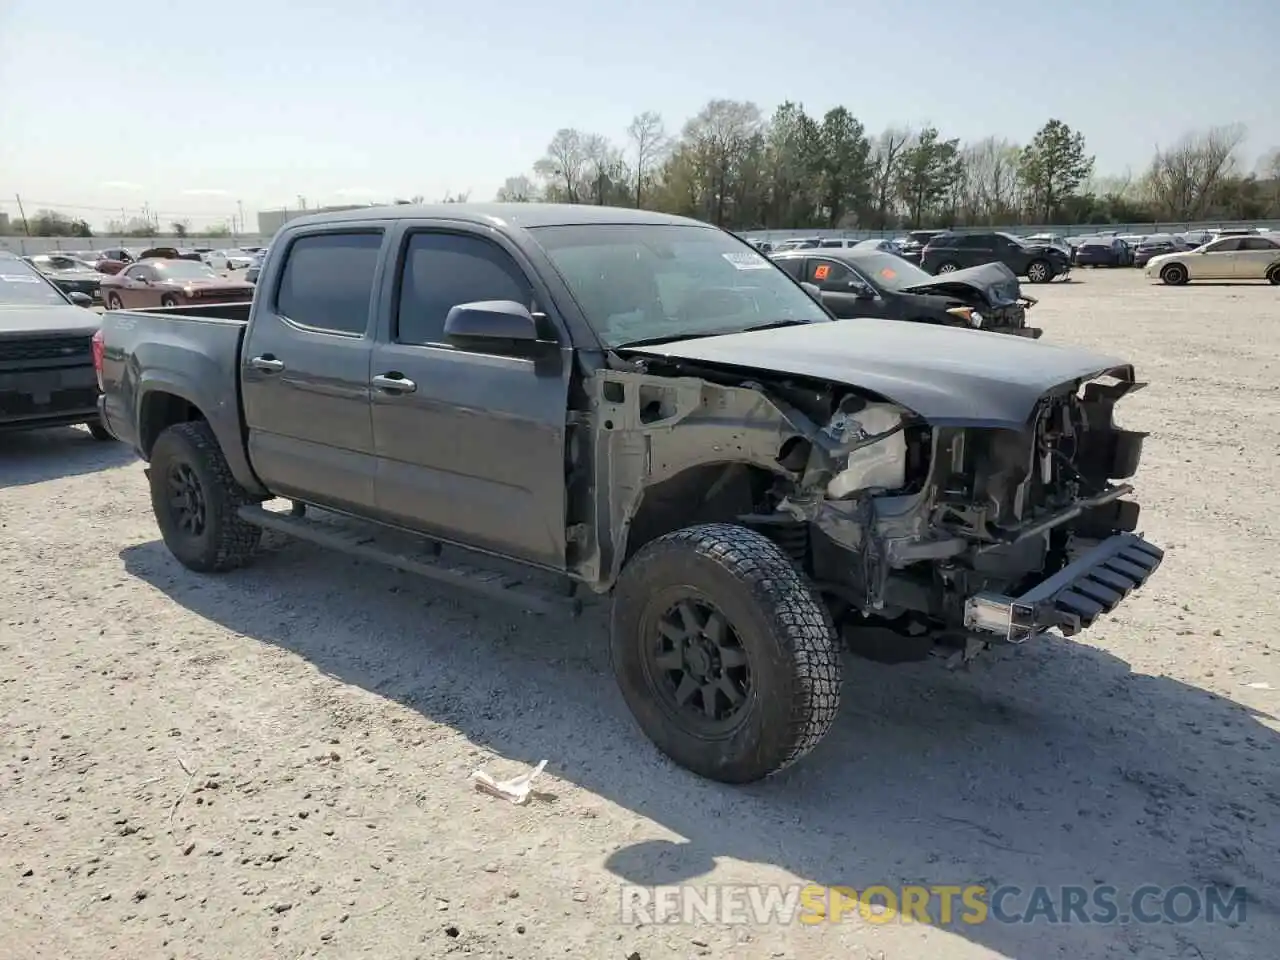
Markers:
point(733, 166)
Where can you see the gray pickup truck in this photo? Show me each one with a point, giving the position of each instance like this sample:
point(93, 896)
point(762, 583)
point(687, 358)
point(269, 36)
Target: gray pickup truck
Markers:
point(630, 403)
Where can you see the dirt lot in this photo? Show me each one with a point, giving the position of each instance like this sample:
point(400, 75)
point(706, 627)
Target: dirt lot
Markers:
point(274, 763)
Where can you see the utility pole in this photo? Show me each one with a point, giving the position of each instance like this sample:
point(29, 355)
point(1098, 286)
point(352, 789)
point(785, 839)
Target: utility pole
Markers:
point(23, 214)
point(240, 207)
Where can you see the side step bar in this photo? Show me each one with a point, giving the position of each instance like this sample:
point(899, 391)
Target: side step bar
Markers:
point(369, 542)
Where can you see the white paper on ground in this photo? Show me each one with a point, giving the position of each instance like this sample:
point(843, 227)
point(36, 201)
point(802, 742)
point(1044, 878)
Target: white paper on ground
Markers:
point(517, 789)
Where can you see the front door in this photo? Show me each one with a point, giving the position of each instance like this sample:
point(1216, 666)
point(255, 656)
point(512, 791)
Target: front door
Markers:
point(305, 370)
point(139, 287)
point(844, 292)
point(1216, 261)
point(470, 442)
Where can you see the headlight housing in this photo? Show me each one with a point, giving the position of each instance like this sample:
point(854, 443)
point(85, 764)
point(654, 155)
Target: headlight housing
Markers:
point(972, 316)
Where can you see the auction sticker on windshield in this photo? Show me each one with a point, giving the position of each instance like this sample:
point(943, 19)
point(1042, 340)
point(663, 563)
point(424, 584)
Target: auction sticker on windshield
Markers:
point(747, 261)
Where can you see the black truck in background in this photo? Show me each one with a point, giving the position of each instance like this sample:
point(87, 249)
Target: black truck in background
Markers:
point(635, 404)
point(46, 353)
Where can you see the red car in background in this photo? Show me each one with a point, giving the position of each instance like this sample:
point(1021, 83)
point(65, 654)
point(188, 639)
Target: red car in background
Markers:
point(157, 282)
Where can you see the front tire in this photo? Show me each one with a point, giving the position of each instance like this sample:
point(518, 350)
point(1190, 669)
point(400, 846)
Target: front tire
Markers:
point(168, 301)
point(113, 302)
point(195, 499)
point(1175, 274)
point(948, 267)
point(725, 656)
point(1039, 271)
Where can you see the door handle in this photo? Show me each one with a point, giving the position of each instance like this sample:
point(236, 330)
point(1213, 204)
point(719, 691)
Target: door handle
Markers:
point(394, 384)
point(267, 364)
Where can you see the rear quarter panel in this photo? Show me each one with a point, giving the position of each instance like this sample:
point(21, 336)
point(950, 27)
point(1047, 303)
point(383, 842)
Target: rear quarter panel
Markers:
point(185, 354)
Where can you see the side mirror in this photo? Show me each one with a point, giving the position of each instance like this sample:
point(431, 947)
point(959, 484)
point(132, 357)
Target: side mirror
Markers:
point(861, 290)
point(80, 299)
point(491, 320)
point(812, 290)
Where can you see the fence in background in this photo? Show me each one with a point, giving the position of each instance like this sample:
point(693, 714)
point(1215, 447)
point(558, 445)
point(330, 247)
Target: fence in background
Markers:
point(1061, 229)
point(27, 246)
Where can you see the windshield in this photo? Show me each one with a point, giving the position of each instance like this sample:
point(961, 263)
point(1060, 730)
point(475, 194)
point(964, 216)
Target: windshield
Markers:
point(184, 270)
point(645, 281)
point(889, 271)
point(20, 284)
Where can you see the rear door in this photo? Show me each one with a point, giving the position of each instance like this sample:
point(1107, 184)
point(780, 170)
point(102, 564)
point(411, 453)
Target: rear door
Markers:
point(471, 440)
point(1256, 255)
point(304, 368)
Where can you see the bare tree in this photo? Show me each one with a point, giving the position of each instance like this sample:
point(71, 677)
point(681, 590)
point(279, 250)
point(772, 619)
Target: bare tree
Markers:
point(1184, 178)
point(605, 172)
point(990, 180)
point(649, 140)
point(884, 158)
point(562, 166)
point(722, 135)
point(517, 190)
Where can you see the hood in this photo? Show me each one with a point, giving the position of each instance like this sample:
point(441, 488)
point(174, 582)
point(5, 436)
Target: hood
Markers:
point(25, 320)
point(73, 274)
point(994, 282)
point(947, 375)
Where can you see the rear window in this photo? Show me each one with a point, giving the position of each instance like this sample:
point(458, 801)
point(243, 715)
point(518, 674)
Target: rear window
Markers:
point(327, 281)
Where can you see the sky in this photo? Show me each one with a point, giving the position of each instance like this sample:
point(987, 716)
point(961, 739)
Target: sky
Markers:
point(200, 110)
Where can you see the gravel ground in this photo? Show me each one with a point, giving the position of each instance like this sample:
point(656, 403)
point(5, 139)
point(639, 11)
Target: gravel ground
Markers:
point(274, 763)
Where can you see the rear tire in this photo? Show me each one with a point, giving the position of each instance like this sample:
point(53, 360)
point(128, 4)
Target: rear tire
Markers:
point(1274, 275)
point(948, 267)
point(1174, 274)
point(725, 656)
point(195, 499)
point(113, 302)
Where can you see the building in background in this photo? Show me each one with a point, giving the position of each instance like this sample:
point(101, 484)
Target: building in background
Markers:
point(4, 222)
point(269, 221)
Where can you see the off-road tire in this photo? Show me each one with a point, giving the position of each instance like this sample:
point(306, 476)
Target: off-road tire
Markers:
point(1274, 275)
point(784, 628)
point(113, 302)
point(98, 431)
point(1174, 274)
point(226, 542)
point(1040, 271)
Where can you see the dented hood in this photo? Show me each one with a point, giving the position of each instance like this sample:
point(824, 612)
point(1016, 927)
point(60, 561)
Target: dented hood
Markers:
point(947, 375)
point(994, 282)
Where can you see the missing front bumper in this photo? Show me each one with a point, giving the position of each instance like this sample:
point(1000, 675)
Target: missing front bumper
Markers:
point(1073, 598)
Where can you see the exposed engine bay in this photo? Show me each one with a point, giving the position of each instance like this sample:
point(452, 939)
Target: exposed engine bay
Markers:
point(919, 526)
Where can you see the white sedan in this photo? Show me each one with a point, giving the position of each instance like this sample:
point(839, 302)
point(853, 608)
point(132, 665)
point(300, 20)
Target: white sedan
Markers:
point(230, 260)
point(1254, 257)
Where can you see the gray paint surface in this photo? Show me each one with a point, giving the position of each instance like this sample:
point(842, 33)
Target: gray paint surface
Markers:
point(944, 374)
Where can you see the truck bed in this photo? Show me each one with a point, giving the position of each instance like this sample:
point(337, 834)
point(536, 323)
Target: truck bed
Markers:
point(191, 353)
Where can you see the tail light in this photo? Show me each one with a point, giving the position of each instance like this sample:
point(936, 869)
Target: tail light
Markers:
point(99, 351)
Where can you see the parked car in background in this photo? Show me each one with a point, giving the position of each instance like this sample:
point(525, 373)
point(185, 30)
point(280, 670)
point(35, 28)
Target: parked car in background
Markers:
point(878, 283)
point(233, 259)
point(1051, 240)
point(1132, 239)
point(910, 247)
point(797, 243)
point(882, 245)
point(171, 282)
point(1155, 245)
point(69, 274)
point(1196, 238)
point(1039, 263)
point(1103, 252)
point(46, 353)
point(170, 253)
point(255, 265)
point(1236, 257)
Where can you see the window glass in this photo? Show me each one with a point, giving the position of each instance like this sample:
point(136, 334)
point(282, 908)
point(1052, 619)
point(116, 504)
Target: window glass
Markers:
point(138, 272)
point(1258, 243)
point(1223, 246)
point(327, 281)
point(791, 265)
point(442, 270)
point(825, 273)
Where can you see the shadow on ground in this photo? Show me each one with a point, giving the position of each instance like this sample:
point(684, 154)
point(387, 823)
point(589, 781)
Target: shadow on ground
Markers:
point(33, 456)
point(1056, 765)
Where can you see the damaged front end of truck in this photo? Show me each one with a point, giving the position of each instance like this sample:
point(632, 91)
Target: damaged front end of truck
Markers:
point(958, 524)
